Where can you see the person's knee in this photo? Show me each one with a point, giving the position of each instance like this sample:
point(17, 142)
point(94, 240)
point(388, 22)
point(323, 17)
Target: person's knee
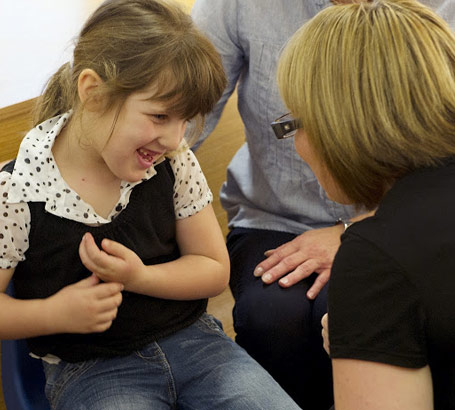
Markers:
point(271, 310)
point(249, 386)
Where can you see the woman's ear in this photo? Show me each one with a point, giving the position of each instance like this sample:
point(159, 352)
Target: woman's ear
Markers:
point(87, 87)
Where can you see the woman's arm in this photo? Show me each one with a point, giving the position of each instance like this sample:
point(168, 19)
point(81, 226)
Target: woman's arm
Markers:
point(202, 270)
point(377, 326)
point(363, 385)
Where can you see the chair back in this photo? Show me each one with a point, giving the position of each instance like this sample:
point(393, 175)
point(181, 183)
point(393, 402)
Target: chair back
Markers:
point(22, 376)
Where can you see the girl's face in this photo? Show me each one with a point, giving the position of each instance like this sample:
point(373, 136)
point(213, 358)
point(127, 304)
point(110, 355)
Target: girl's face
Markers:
point(307, 153)
point(144, 131)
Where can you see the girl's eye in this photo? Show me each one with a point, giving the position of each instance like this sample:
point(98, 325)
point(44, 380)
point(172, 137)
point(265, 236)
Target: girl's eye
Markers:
point(158, 117)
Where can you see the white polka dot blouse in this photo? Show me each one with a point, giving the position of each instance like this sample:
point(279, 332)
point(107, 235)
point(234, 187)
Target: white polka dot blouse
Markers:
point(36, 178)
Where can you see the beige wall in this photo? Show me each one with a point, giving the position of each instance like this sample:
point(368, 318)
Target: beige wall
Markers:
point(35, 39)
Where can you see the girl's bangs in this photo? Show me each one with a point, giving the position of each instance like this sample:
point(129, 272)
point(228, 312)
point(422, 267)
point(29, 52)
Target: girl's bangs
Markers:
point(182, 89)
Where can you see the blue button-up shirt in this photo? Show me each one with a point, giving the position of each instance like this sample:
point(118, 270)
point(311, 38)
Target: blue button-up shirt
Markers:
point(268, 185)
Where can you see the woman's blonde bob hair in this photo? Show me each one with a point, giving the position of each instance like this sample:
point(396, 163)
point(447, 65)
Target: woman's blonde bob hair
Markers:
point(132, 44)
point(374, 87)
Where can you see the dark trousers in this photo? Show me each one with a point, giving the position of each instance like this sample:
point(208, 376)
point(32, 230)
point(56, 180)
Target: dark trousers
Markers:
point(279, 327)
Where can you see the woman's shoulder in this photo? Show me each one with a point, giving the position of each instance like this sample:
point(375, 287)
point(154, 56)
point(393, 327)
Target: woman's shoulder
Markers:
point(375, 312)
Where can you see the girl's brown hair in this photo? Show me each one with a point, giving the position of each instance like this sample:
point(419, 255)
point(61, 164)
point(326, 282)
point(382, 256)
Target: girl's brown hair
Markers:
point(374, 87)
point(131, 44)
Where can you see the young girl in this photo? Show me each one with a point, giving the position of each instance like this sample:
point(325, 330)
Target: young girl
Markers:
point(107, 229)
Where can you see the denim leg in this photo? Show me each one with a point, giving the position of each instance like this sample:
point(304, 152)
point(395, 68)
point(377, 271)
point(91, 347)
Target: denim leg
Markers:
point(137, 382)
point(279, 327)
point(212, 372)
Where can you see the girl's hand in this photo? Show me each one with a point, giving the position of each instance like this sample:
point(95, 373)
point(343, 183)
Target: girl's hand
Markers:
point(113, 263)
point(84, 307)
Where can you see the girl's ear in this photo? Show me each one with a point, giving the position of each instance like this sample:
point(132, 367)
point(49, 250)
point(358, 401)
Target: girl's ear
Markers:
point(87, 85)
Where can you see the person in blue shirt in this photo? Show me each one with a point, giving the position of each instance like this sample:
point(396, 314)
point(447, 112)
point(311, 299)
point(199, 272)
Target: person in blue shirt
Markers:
point(274, 203)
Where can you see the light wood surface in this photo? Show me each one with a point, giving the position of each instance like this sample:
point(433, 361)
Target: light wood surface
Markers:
point(17, 72)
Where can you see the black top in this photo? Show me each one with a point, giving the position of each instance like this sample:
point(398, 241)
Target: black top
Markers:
point(146, 226)
point(392, 288)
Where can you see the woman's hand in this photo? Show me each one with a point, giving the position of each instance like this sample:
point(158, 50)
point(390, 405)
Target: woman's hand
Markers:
point(325, 332)
point(312, 251)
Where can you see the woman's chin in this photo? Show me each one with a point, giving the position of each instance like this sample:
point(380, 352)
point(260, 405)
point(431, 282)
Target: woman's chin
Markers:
point(338, 196)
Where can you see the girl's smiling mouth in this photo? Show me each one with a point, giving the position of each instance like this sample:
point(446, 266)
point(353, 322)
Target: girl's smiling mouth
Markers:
point(147, 157)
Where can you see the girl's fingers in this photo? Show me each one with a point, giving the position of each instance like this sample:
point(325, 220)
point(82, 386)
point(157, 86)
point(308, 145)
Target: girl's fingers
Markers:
point(86, 250)
point(88, 282)
point(111, 304)
point(115, 248)
point(91, 256)
point(108, 290)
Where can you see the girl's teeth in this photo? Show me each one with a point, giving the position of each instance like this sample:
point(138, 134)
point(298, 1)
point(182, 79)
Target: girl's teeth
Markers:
point(145, 154)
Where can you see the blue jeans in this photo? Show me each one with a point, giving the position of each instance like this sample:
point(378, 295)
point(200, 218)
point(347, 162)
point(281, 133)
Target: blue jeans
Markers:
point(280, 328)
point(197, 368)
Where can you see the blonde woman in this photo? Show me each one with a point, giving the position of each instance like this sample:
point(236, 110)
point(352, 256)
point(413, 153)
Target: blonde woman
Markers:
point(372, 89)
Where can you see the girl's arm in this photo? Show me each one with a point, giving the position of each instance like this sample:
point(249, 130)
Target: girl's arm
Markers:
point(19, 319)
point(84, 307)
point(202, 271)
point(363, 385)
